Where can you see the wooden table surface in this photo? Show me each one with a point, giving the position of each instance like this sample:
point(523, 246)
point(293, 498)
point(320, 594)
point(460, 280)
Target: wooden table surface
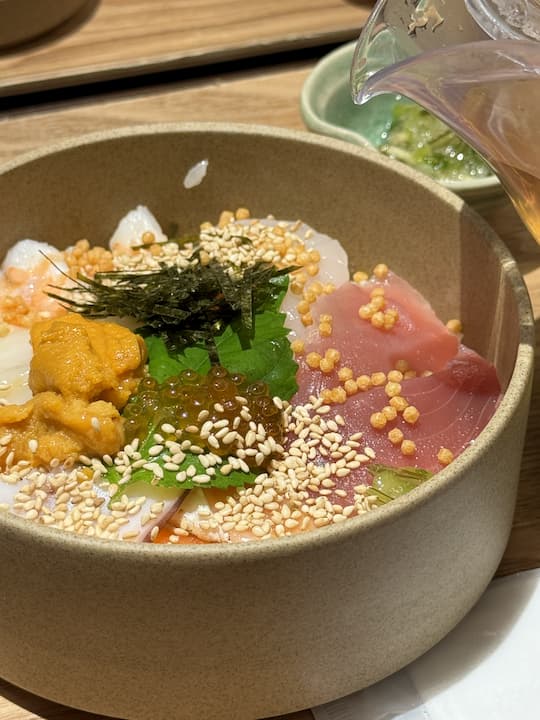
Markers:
point(119, 38)
point(267, 94)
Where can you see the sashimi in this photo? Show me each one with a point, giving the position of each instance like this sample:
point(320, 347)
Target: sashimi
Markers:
point(447, 411)
point(415, 335)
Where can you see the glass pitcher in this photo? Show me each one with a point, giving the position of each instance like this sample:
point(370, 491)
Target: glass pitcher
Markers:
point(487, 91)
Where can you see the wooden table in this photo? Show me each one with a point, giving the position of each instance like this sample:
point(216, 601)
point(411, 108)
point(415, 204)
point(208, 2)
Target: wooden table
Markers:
point(120, 38)
point(267, 92)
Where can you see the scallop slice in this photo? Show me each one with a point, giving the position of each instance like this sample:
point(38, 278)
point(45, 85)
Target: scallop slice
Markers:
point(30, 255)
point(132, 227)
point(15, 356)
point(156, 505)
point(197, 512)
point(333, 267)
point(141, 508)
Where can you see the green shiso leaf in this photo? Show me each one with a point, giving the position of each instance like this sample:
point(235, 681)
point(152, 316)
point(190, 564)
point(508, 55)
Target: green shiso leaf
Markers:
point(391, 482)
point(236, 478)
point(261, 352)
point(162, 365)
point(265, 355)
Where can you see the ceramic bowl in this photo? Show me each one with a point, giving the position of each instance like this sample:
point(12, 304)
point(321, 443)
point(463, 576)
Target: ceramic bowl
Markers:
point(23, 20)
point(327, 108)
point(242, 631)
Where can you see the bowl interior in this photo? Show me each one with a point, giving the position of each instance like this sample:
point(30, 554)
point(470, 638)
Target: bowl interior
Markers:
point(378, 208)
point(327, 108)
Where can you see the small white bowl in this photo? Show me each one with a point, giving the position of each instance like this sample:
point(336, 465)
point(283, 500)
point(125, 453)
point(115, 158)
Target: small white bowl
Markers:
point(327, 108)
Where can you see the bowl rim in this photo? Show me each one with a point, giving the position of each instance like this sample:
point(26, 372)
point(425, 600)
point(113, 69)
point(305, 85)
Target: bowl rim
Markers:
point(337, 534)
point(316, 123)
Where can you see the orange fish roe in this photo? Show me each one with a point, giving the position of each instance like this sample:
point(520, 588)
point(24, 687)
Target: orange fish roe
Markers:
point(363, 382)
point(402, 366)
point(408, 447)
point(313, 359)
point(378, 420)
point(395, 436)
point(82, 258)
point(297, 346)
point(303, 307)
point(334, 396)
point(345, 374)
point(380, 271)
point(455, 326)
point(389, 412)
point(326, 365)
point(325, 325)
point(333, 354)
point(378, 379)
point(445, 456)
point(399, 403)
point(360, 276)
point(392, 389)
point(411, 414)
point(378, 319)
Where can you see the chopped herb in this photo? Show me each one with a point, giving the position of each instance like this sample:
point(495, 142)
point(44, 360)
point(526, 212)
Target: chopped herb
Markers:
point(419, 139)
point(391, 482)
point(188, 306)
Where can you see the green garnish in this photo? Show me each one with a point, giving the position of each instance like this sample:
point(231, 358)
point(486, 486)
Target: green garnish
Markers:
point(188, 306)
point(162, 364)
point(391, 482)
point(236, 478)
point(419, 139)
point(264, 355)
point(260, 353)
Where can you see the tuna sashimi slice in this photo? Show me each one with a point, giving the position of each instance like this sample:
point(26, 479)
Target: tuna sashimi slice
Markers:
point(454, 405)
point(418, 336)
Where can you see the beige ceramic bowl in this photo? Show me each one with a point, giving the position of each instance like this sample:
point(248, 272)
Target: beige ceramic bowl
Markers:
point(22, 20)
point(220, 632)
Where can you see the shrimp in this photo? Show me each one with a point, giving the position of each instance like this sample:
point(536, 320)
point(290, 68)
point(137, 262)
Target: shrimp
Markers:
point(29, 270)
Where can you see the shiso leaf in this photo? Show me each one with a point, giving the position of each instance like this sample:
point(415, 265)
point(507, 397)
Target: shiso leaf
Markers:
point(264, 355)
point(391, 482)
point(162, 365)
point(236, 478)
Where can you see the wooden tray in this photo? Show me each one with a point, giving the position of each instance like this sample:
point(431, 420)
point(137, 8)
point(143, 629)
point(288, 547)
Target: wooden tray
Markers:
point(111, 39)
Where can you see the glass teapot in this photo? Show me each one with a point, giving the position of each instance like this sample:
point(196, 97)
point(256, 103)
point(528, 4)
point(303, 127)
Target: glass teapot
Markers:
point(473, 64)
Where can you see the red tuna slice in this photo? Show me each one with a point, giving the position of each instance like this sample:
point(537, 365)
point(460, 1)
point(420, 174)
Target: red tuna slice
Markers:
point(455, 404)
point(418, 336)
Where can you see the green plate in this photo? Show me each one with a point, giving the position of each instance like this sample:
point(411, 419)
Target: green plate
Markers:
point(327, 108)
